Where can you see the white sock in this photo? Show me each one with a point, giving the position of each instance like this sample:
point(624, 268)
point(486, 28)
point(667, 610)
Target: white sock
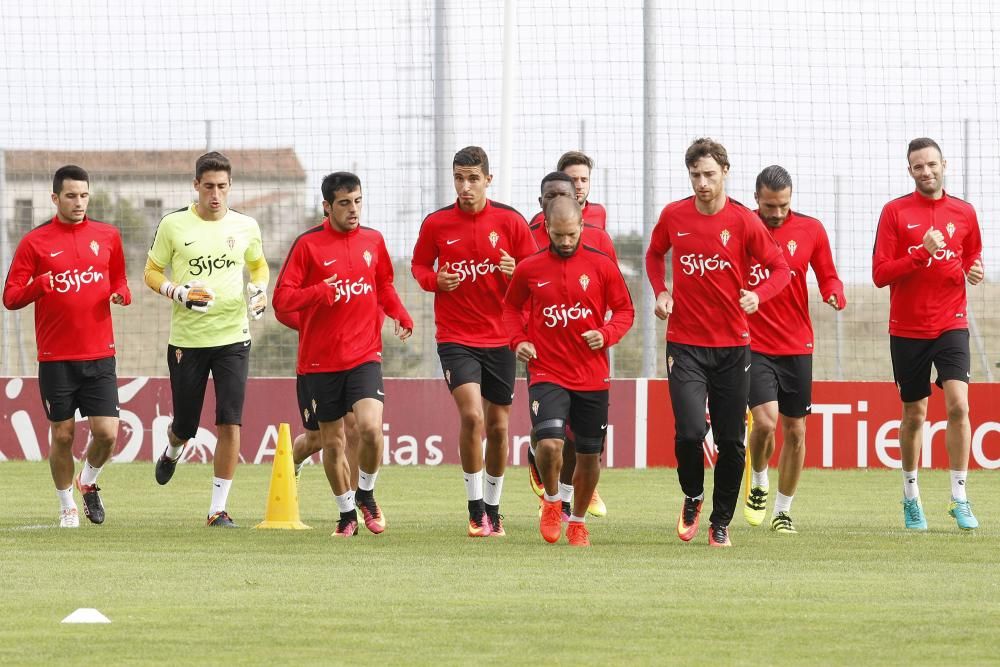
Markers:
point(345, 502)
point(366, 480)
point(958, 484)
point(66, 501)
point(566, 492)
point(473, 485)
point(700, 496)
point(577, 519)
point(782, 503)
point(88, 476)
point(550, 499)
point(220, 492)
point(493, 489)
point(173, 451)
point(760, 478)
point(910, 488)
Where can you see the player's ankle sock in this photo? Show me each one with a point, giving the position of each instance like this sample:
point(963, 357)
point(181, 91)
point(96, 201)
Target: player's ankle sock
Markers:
point(782, 503)
point(958, 478)
point(473, 485)
point(173, 451)
point(910, 488)
point(492, 489)
point(345, 502)
point(577, 519)
point(88, 476)
point(66, 501)
point(760, 478)
point(366, 480)
point(700, 496)
point(220, 492)
point(550, 499)
point(566, 492)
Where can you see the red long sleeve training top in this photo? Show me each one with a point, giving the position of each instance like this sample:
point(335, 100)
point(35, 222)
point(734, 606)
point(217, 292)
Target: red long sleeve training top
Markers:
point(782, 325)
point(469, 244)
point(926, 294)
point(73, 315)
point(566, 297)
point(594, 215)
point(339, 325)
point(711, 260)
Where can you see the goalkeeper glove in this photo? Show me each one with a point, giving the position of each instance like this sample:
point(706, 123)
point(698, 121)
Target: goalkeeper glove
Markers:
point(256, 301)
point(194, 296)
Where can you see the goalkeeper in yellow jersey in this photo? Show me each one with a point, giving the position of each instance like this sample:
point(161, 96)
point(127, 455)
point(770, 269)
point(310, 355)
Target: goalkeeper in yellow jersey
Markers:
point(206, 247)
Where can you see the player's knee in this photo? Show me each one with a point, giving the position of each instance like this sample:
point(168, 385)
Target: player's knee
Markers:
point(550, 429)
point(764, 425)
point(62, 435)
point(958, 411)
point(585, 445)
point(914, 415)
point(472, 418)
point(369, 433)
point(496, 432)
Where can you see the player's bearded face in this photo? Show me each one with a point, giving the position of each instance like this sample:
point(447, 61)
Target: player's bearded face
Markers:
point(580, 173)
point(564, 235)
point(707, 179)
point(773, 207)
point(470, 186)
point(71, 202)
point(927, 170)
point(345, 211)
point(213, 193)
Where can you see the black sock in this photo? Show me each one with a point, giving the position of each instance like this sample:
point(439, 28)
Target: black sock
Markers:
point(566, 508)
point(476, 507)
point(353, 514)
point(492, 510)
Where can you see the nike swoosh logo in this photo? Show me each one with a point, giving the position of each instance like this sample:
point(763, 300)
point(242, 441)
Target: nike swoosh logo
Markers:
point(218, 486)
point(604, 426)
point(747, 368)
point(544, 284)
point(187, 243)
point(246, 343)
point(53, 254)
point(380, 393)
point(683, 233)
point(328, 263)
point(452, 242)
point(493, 483)
point(912, 226)
point(809, 407)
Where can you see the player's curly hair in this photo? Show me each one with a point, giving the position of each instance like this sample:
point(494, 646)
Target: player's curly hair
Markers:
point(705, 147)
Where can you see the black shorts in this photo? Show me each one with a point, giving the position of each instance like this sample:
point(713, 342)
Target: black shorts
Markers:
point(552, 407)
point(334, 394)
point(189, 368)
point(912, 359)
point(306, 409)
point(89, 386)
point(492, 368)
point(786, 379)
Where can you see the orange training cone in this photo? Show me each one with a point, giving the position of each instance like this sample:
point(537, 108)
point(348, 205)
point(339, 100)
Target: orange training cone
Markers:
point(283, 493)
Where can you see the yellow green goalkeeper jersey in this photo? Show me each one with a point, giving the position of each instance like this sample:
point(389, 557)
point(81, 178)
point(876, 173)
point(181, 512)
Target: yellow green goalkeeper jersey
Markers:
point(213, 252)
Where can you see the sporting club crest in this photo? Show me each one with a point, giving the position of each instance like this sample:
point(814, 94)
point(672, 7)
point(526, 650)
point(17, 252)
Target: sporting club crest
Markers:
point(725, 236)
point(584, 281)
point(534, 408)
point(494, 237)
point(305, 414)
point(670, 364)
point(231, 242)
point(314, 405)
point(94, 247)
point(447, 376)
point(178, 353)
point(951, 229)
point(367, 255)
point(792, 245)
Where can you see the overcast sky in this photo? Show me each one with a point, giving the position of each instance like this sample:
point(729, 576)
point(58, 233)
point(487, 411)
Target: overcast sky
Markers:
point(831, 91)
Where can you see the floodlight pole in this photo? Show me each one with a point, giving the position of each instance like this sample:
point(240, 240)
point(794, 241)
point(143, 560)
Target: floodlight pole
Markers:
point(647, 322)
point(507, 101)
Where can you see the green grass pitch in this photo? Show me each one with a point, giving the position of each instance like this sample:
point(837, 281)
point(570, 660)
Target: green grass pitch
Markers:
point(852, 587)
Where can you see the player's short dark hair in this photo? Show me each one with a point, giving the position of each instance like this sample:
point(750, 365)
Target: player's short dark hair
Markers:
point(339, 181)
point(70, 172)
point(570, 158)
point(214, 161)
point(775, 178)
point(705, 147)
point(472, 156)
point(556, 176)
point(919, 144)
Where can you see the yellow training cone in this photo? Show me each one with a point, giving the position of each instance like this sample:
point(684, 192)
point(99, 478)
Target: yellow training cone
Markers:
point(283, 493)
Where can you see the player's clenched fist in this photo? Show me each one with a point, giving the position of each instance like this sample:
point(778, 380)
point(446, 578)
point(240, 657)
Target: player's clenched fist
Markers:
point(194, 296)
point(256, 301)
point(933, 240)
point(446, 280)
point(664, 305)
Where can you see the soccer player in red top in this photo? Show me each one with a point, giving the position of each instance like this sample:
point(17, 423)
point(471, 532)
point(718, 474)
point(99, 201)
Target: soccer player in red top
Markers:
point(339, 277)
point(577, 166)
point(781, 346)
point(568, 288)
point(465, 254)
point(927, 247)
point(72, 268)
point(714, 240)
point(555, 185)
